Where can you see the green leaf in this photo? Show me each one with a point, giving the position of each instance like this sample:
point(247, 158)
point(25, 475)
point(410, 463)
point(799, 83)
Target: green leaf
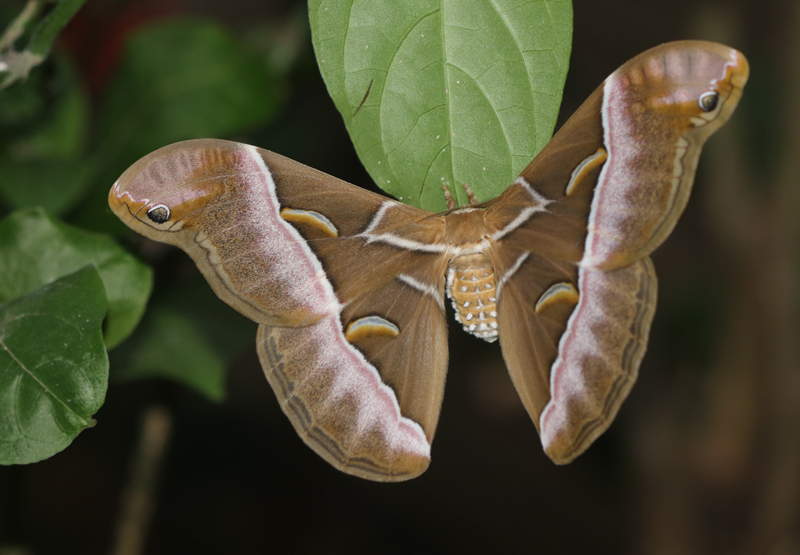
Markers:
point(51, 25)
point(55, 185)
point(36, 249)
point(182, 79)
point(173, 347)
point(53, 366)
point(43, 164)
point(188, 336)
point(446, 92)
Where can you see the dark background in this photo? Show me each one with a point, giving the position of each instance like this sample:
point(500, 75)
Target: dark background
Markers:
point(704, 456)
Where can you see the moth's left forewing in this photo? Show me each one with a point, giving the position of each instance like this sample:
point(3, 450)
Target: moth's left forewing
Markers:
point(216, 200)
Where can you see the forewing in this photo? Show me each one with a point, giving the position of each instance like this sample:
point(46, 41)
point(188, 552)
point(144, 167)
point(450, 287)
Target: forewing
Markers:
point(618, 174)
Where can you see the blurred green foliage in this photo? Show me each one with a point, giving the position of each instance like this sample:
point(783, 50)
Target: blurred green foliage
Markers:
point(60, 151)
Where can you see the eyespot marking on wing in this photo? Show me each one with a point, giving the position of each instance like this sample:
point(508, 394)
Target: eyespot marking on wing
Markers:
point(370, 326)
point(708, 101)
point(592, 162)
point(159, 214)
point(557, 293)
point(309, 217)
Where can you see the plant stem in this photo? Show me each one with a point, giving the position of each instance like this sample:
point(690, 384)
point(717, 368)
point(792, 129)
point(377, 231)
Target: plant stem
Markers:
point(17, 27)
point(47, 30)
point(139, 497)
point(17, 65)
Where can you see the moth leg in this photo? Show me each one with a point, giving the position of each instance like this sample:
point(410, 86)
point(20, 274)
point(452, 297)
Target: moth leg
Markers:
point(471, 196)
point(451, 203)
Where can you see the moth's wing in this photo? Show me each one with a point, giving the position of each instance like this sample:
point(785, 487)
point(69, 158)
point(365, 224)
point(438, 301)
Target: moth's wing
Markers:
point(618, 174)
point(573, 339)
point(353, 334)
point(603, 194)
point(387, 267)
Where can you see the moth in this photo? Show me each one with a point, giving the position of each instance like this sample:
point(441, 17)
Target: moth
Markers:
point(350, 288)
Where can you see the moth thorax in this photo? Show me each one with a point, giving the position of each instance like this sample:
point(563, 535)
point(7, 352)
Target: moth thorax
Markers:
point(471, 287)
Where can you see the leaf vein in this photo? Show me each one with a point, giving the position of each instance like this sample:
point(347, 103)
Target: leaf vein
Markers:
point(37, 380)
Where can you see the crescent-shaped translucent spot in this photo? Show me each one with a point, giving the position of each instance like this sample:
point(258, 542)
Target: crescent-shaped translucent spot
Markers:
point(309, 217)
point(370, 326)
point(585, 167)
point(558, 293)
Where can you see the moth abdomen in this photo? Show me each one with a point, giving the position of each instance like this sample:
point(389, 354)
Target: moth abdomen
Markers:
point(471, 286)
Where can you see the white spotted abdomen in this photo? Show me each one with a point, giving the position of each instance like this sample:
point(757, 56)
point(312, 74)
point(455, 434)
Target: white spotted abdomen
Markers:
point(471, 287)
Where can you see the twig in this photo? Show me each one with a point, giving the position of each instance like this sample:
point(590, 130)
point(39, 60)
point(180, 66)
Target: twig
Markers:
point(17, 27)
point(17, 65)
point(138, 500)
point(48, 28)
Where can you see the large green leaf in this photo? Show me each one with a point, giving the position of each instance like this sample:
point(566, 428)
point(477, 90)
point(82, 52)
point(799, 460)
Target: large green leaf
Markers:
point(53, 366)
point(446, 92)
point(36, 249)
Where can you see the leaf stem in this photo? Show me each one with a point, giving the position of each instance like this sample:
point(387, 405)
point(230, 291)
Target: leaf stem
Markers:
point(48, 28)
point(17, 65)
point(17, 27)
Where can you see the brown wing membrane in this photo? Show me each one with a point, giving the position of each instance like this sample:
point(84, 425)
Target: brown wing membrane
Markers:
point(387, 262)
point(323, 397)
point(620, 171)
point(560, 231)
point(656, 118)
point(532, 321)
point(214, 200)
point(356, 355)
point(573, 346)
